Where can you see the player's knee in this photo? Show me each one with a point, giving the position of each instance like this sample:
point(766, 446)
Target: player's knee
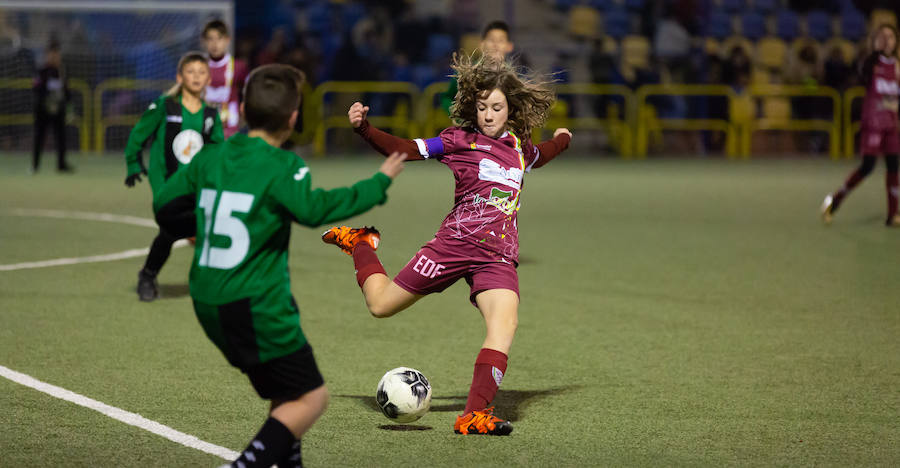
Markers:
point(379, 309)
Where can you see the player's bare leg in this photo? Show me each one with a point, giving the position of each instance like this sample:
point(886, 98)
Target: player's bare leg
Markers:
point(300, 414)
point(500, 310)
point(383, 297)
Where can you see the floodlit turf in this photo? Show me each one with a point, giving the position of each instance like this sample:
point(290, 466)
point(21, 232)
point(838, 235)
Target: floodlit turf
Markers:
point(674, 312)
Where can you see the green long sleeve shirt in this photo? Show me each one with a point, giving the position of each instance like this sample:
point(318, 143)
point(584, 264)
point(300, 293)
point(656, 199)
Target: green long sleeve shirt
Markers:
point(153, 123)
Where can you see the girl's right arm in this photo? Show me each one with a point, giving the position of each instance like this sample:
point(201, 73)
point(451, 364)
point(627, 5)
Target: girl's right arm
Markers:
point(141, 132)
point(381, 141)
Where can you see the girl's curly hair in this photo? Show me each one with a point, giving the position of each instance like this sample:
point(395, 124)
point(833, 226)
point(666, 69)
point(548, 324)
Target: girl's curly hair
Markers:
point(529, 98)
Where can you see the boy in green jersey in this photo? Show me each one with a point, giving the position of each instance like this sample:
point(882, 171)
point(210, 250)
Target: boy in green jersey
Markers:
point(180, 123)
point(239, 198)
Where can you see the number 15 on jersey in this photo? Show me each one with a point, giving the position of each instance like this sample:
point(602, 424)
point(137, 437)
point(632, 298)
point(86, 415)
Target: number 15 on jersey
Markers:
point(224, 224)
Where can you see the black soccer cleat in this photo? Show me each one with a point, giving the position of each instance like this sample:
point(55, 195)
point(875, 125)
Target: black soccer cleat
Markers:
point(147, 288)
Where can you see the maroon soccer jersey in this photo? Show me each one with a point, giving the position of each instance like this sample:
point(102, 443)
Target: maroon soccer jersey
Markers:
point(879, 110)
point(489, 174)
point(227, 77)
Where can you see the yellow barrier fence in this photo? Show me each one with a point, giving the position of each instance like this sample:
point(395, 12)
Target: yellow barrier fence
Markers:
point(647, 119)
point(419, 113)
point(432, 115)
point(832, 126)
point(401, 120)
point(851, 128)
point(81, 122)
point(101, 122)
point(619, 128)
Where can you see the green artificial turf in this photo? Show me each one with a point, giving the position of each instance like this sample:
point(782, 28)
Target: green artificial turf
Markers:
point(674, 313)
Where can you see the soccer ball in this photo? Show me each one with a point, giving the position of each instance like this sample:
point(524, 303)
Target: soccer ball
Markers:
point(404, 395)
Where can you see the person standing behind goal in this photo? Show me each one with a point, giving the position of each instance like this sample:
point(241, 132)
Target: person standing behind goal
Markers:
point(239, 198)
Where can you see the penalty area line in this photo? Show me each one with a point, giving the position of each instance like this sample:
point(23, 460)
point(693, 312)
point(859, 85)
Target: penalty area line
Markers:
point(132, 419)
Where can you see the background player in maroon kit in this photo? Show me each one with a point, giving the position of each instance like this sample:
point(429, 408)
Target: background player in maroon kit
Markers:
point(489, 153)
point(879, 133)
point(227, 76)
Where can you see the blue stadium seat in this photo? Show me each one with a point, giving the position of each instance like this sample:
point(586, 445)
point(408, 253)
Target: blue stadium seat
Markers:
point(765, 6)
point(440, 46)
point(352, 13)
point(601, 5)
point(634, 5)
point(787, 25)
point(853, 25)
point(617, 24)
point(733, 6)
point(818, 24)
point(565, 5)
point(423, 75)
point(719, 25)
point(753, 26)
point(318, 17)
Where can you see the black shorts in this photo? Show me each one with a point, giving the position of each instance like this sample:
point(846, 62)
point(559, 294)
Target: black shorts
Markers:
point(286, 377)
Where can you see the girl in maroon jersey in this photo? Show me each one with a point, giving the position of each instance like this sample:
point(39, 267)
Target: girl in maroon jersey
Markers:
point(878, 133)
point(489, 153)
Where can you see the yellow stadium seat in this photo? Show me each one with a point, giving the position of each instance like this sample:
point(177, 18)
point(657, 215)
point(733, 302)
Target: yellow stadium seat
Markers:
point(737, 41)
point(636, 51)
point(712, 47)
point(760, 76)
point(470, 42)
point(583, 21)
point(848, 48)
point(776, 108)
point(881, 16)
point(771, 52)
point(802, 42)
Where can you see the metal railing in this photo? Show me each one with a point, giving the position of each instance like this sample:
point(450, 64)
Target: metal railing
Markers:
point(831, 126)
point(630, 118)
point(80, 121)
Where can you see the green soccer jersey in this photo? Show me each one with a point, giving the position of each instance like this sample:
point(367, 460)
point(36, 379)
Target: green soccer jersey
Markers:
point(247, 194)
point(153, 124)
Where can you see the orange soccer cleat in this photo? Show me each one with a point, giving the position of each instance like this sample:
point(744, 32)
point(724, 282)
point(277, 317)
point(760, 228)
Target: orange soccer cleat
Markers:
point(347, 238)
point(482, 422)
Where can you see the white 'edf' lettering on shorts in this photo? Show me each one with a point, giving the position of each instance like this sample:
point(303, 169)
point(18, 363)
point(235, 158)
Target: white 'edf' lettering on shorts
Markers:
point(427, 267)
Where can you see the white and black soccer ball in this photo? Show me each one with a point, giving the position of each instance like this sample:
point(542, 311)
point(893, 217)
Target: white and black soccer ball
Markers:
point(404, 395)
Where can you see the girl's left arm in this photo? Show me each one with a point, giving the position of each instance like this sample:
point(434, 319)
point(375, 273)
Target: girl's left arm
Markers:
point(550, 149)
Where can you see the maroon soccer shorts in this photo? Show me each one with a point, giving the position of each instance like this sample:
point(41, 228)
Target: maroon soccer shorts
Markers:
point(876, 141)
point(432, 270)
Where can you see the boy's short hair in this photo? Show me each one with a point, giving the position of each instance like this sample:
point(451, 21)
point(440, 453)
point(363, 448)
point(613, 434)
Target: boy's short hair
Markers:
point(501, 25)
point(216, 25)
point(271, 94)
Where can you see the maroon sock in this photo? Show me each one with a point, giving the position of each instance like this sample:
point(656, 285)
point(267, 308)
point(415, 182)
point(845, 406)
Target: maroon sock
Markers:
point(366, 262)
point(892, 189)
point(490, 365)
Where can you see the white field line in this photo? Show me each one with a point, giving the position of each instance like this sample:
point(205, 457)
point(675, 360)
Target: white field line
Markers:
point(132, 419)
point(107, 217)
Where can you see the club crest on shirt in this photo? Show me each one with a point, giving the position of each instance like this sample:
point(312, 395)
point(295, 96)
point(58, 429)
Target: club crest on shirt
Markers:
point(491, 171)
point(500, 199)
point(186, 144)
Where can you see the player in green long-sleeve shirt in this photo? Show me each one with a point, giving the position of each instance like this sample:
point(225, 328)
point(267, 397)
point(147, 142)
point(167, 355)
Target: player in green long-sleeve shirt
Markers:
point(239, 198)
point(180, 123)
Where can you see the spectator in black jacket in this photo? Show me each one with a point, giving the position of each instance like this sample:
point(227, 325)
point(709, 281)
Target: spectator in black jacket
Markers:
point(51, 97)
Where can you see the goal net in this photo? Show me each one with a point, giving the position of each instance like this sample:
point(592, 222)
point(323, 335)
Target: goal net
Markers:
point(118, 56)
